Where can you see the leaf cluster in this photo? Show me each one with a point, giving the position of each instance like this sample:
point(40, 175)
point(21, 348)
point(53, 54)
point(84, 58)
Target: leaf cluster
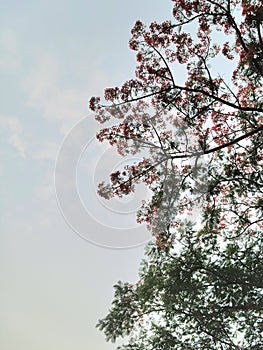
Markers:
point(208, 295)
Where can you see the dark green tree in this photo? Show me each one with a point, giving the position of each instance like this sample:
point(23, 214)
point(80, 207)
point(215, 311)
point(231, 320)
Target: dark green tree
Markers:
point(208, 295)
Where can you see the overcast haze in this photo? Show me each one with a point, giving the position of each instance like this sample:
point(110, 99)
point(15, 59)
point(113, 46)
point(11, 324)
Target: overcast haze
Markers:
point(55, 55)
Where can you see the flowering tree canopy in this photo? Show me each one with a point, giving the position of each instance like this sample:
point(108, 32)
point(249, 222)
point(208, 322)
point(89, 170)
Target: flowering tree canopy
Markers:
point(194, 113)
point(203, 137)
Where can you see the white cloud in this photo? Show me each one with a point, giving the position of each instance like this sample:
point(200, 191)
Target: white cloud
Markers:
point(9, 58)
point(48, 151)
point(45, 191)
point(57, 99)
point(14, 128)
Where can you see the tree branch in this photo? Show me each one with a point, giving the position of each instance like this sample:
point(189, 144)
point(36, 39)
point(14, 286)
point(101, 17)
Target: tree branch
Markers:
point(212, 150)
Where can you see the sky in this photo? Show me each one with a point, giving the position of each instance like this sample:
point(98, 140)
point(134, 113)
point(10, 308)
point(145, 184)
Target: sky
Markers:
point(61, 247)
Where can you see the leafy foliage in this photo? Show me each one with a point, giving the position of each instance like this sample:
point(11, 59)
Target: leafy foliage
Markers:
point(201, 146)
point(204, 137)
point(206, 296)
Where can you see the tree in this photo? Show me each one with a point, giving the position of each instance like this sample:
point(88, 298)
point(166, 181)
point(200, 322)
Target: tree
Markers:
point(201, 143)
point(204, 297)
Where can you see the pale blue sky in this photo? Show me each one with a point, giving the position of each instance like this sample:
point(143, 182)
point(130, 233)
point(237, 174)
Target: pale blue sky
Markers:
point(54, 55)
